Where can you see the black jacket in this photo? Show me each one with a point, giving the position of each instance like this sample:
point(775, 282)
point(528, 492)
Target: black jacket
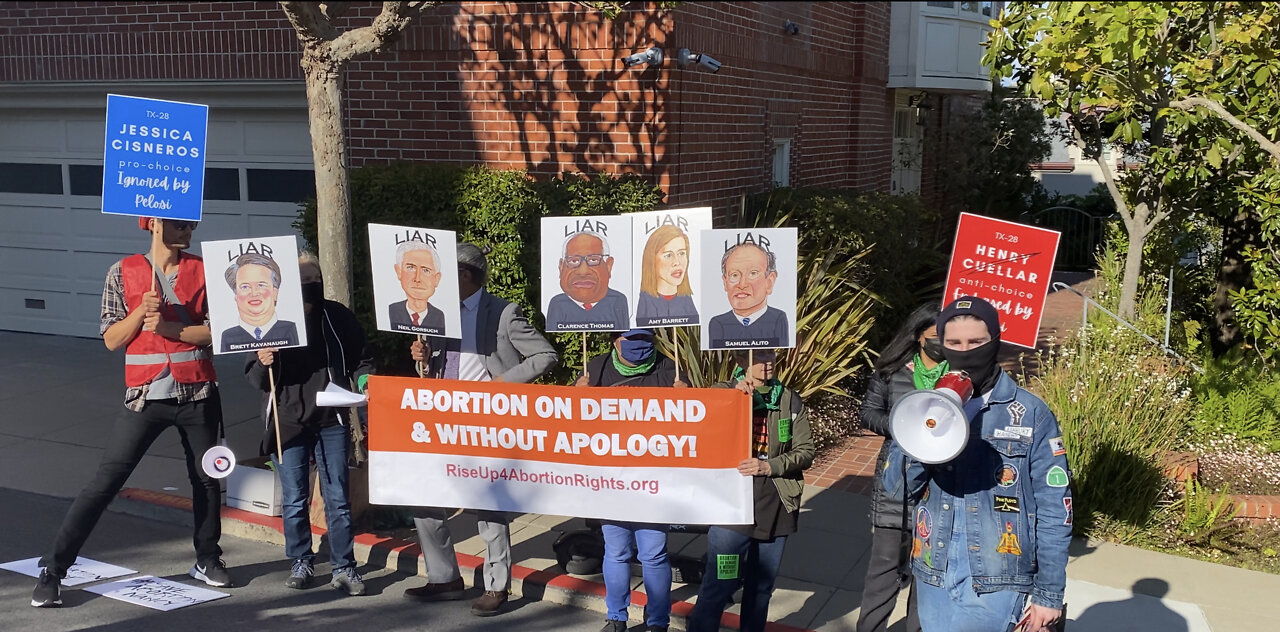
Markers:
point(335, 350)
point(602, 373)
point(883, 391)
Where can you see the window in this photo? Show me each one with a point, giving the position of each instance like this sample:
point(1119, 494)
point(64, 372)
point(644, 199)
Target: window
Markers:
point(86, 179)
point(18, 177)
point(281, 185)
point(222, 184)
point(971, 7)
point(782, 162)
point(942, 5)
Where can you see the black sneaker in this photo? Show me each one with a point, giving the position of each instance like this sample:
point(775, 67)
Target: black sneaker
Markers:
point(212, 572)
point(48, 592)
point(611, 625)
point(300, 575)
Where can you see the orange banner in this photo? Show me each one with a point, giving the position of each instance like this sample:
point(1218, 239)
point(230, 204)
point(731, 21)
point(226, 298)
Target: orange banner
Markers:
point(627, 427)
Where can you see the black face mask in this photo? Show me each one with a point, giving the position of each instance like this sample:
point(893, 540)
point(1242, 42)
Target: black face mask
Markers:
point(932, 348)
point(979, 363)
point(313, 293)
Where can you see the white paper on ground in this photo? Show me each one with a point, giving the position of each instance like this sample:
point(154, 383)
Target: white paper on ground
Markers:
point(156, 593)
point(83, 571)
point(334, 395)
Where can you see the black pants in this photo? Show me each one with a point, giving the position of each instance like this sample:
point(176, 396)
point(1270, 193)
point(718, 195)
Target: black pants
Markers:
point(880, 590)
point(134, 432)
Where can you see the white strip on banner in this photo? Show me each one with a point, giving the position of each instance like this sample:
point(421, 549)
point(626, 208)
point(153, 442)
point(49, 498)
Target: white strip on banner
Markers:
point(641, 494)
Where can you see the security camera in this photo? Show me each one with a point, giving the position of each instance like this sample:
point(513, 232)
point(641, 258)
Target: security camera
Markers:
point(687, 57)
point(653, 57)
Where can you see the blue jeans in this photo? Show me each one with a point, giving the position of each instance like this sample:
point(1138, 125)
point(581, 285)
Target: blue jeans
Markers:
point(329, 445)
point(733, 559)
point(621, 539)
point(956, 607)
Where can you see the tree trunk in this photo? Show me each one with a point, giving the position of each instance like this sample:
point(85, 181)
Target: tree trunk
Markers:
point(333, 199)
point(1234, 273)
point(1132, 271)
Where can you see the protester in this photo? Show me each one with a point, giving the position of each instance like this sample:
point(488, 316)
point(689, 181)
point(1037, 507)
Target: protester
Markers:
point(634, 361)
point(498, 345)
point(913, 359)
point(749, 555)
point(1003, 563)
point(161, 321)
point(335, 353)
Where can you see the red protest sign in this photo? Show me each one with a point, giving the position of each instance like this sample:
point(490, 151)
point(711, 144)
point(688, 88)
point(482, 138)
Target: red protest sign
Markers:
point(1007, 264)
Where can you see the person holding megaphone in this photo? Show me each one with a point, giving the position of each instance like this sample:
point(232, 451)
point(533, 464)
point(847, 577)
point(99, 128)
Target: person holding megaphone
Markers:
point(992, 525)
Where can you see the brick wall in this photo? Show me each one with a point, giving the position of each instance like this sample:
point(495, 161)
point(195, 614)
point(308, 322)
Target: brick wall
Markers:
point(535, 86)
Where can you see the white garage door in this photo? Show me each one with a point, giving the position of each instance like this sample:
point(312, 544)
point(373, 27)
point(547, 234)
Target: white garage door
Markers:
point(55, 243)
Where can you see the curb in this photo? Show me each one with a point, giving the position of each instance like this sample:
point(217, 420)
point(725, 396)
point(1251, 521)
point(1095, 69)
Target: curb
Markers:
point(405, 556)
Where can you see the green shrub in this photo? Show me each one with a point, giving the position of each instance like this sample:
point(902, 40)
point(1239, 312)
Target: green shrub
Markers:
point(1122, 406)
point(1238, 399)
point(488, 207)
point(904, 265)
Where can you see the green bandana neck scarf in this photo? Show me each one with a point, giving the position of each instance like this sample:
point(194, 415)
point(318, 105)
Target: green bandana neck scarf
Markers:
point(768, 400)
point(632, 371)
point(927, 378)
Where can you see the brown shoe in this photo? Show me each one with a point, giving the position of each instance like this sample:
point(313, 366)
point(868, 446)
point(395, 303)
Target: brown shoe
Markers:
point(447, 591)
point(489, 603)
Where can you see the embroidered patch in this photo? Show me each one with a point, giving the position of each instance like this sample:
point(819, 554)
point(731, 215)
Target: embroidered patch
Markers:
point(1066, 502)
point(916, 547)
point(924, 522)
point(784, 430)
point(1007, 504)
point(1007, 476)
point(1011, 432)
point(727, 566)
point(928, 555)
point(1009, 541)
point(1057, 477)
point(1016, 411)
point(1058, 446)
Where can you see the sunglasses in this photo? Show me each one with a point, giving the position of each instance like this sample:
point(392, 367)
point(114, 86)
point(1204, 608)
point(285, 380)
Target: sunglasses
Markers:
point(182, 225)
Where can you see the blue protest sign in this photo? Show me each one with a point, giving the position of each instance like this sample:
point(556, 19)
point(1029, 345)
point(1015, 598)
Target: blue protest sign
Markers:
point(154, 160)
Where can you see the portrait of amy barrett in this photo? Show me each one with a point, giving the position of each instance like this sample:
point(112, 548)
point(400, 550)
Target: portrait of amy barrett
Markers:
point(666, 297)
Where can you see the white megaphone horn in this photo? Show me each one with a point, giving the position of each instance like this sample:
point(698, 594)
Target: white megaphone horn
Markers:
point(218, 461)
point(931, 425)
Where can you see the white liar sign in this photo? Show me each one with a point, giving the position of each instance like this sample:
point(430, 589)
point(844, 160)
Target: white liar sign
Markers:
point(156, 593)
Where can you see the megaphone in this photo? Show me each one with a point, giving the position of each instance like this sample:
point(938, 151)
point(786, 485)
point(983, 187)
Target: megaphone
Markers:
point(218, 461)
point(931, 425)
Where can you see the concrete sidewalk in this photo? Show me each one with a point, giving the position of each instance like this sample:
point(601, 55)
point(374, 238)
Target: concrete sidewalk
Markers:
point(60, 396)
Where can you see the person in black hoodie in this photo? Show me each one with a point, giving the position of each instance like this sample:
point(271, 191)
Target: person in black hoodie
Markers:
point(634, 361)
point(912, 360)
point(335, 352)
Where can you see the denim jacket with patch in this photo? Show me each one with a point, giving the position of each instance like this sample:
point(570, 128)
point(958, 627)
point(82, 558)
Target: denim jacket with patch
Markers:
point(1012, 484)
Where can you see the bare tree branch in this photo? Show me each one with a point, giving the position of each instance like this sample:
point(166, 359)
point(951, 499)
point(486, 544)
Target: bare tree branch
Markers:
point(1190, 103)
point(314, 29)
point(334, 10)
point(384, 30)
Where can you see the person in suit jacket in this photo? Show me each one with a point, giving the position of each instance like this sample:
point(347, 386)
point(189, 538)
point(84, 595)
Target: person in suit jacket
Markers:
point(418, 268)
point(255, 280)
point(587, 302)
point(498, 345)
point(749, 271)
